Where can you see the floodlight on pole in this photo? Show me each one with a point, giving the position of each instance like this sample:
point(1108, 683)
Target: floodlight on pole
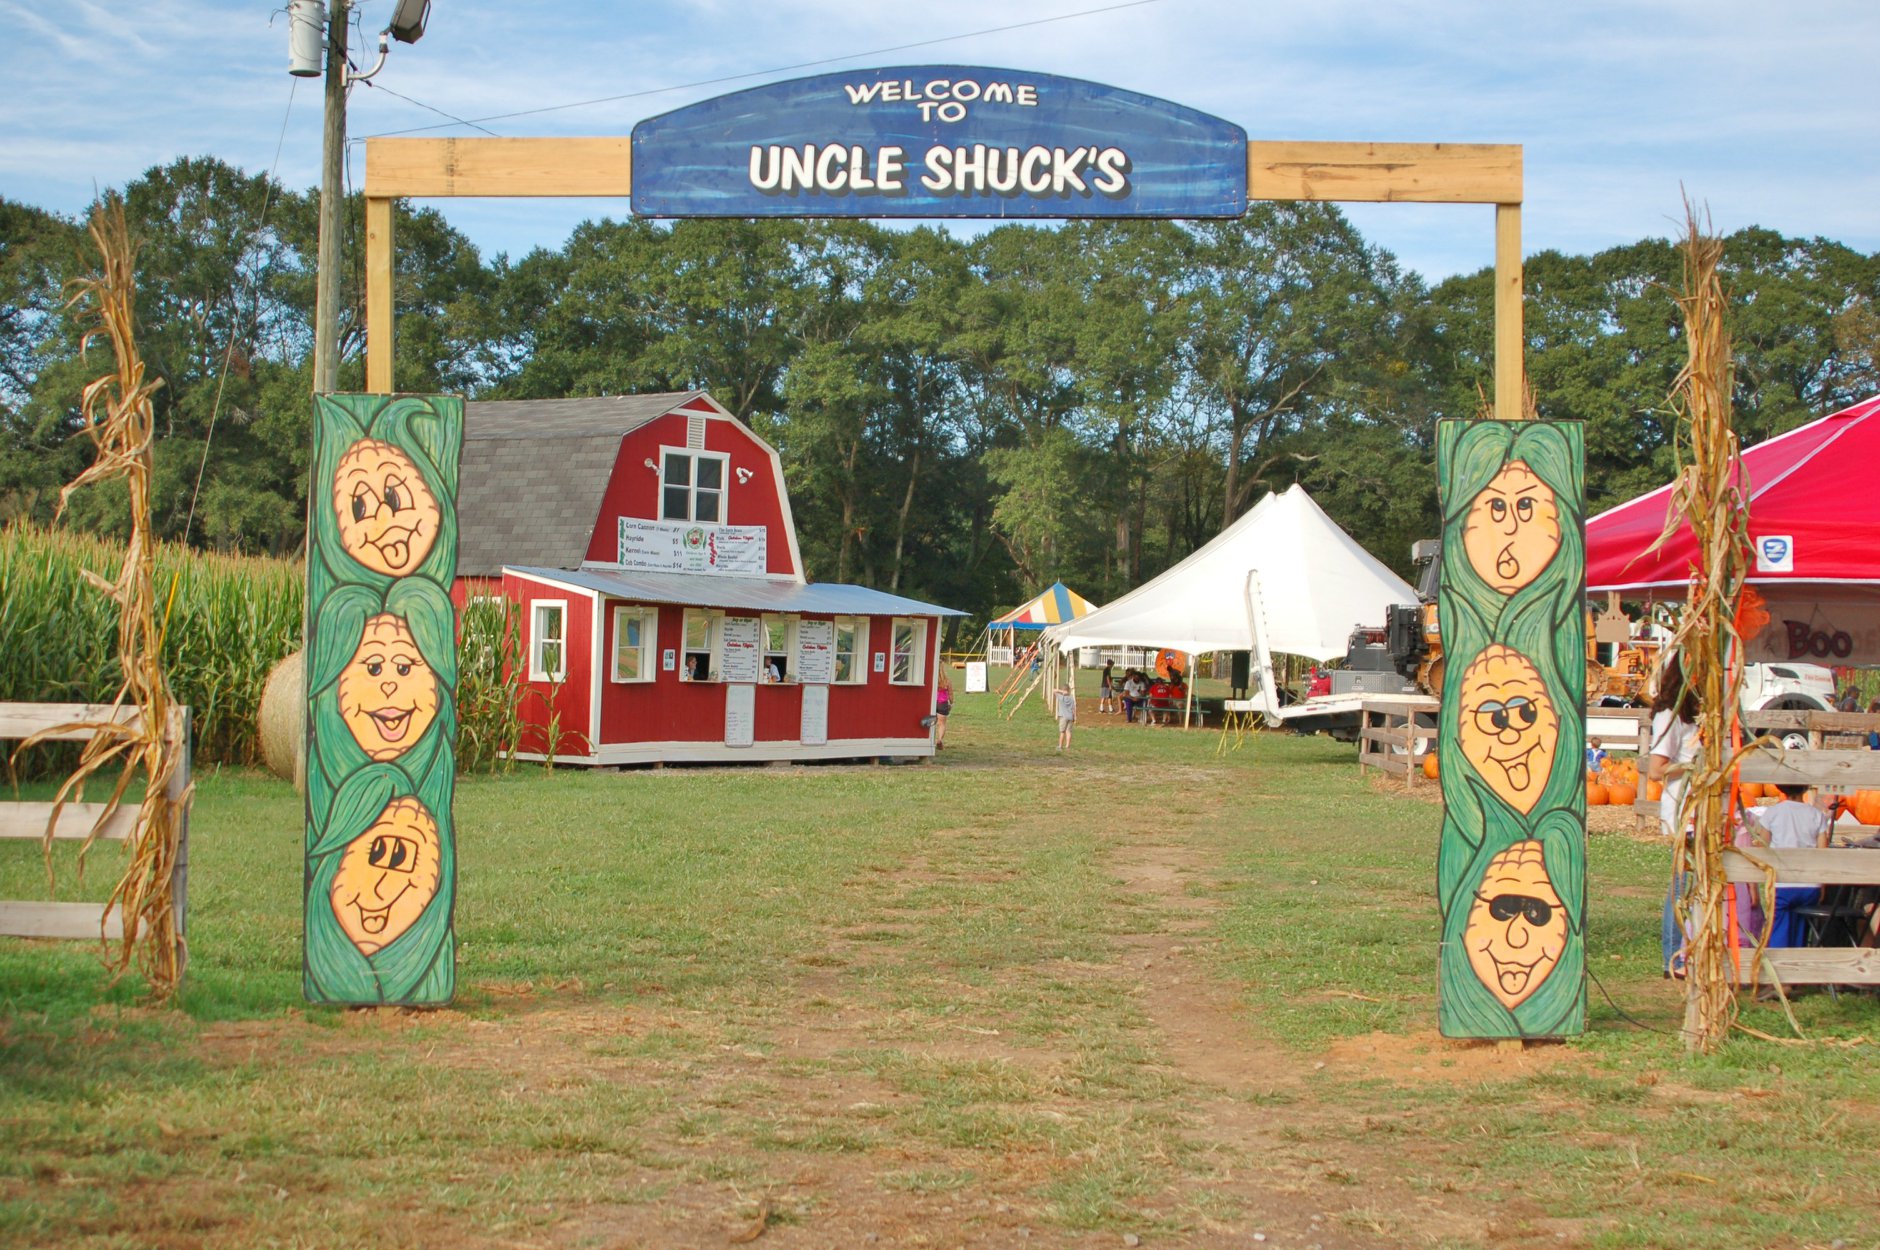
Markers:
point(306, 38)
point(408, 19)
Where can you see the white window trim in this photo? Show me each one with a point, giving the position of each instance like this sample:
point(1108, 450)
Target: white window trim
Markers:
point(858, 667)
point(788, 652)
point(715, 664)
point(649, 643)
point(918, 669)
point(691, 502)
point(536, 671)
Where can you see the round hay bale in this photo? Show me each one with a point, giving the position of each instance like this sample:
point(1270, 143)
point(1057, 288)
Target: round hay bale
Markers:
point(284, 719)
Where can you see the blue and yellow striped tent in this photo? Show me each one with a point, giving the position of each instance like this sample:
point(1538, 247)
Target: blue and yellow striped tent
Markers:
point(1055, 606)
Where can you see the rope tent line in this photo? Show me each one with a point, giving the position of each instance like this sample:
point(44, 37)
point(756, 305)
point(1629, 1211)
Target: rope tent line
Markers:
point(781, 69)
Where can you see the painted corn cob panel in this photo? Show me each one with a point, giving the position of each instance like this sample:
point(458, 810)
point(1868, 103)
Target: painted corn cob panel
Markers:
point(381, 666)
point(1511, 867)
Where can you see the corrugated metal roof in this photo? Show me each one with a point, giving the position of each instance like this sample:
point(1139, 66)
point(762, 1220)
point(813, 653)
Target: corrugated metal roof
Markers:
point(756, 594)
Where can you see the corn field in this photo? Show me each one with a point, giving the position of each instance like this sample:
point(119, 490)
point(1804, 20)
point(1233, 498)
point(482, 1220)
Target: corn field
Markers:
point(233, 619)
point(225, 620)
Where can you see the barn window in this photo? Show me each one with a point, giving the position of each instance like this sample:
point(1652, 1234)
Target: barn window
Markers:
point(548, 647)
point(907, 665)
point(851, 650)
point(779, 647)
point(636, 631)
point(692, 485)
point(702, 632)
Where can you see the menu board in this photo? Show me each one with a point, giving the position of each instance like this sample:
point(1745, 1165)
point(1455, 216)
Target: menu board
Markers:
point(743, 655)
point(685, 547)
point(815, 730)
point(740, 715)
point(815, 651)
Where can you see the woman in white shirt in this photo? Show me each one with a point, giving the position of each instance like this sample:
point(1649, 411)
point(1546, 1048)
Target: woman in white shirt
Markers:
point(1674, 750)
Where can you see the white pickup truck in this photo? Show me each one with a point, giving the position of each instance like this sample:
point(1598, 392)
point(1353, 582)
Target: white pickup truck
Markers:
point(1788, 688)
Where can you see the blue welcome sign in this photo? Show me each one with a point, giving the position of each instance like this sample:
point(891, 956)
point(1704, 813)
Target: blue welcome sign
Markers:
point(938, 141)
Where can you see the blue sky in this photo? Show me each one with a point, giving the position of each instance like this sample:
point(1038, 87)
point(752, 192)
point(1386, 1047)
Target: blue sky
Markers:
point(1766, 115)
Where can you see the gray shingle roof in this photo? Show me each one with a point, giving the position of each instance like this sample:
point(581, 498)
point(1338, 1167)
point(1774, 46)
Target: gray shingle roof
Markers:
point(534, 471)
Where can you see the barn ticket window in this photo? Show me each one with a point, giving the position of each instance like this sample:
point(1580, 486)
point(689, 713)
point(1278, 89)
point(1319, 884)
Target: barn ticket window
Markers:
point(691, 485)
point(548, 649)
point(636, 633)
point(779, 647)
point(702, 633)
point(851, 650)
point(907, 661)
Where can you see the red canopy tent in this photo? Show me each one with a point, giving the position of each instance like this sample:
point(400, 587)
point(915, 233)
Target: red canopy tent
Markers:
point(1814, 527)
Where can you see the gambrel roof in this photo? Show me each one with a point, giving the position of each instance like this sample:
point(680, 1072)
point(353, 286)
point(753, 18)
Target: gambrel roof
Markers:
point(535, 470)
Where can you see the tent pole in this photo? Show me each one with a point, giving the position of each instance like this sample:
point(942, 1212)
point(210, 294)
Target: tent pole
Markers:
point(1188, 711)
point(1262, 658)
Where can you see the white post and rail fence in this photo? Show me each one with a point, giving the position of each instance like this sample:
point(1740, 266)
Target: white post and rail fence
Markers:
point(25, 819)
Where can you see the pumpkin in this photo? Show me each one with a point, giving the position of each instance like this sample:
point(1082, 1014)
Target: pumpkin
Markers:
point(1654, 790)
point(1750, 791)
point(1430, 767)
point(1622, 795)
point(1865, 804)
point(1597, 795)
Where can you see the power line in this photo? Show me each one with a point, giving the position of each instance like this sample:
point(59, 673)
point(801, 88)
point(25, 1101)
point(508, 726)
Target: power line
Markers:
point(421, 104)
point(221, 381)
point(781, 69)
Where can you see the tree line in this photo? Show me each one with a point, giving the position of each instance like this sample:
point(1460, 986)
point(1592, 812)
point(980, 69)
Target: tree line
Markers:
point(964, 419)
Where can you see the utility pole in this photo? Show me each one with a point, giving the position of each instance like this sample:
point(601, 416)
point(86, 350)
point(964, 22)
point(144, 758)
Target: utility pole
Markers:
point(332, 207)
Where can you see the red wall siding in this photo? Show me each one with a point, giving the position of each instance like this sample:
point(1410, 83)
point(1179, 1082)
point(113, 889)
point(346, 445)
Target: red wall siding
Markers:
point(574, 699)
point(634, 489)
point(669, 710)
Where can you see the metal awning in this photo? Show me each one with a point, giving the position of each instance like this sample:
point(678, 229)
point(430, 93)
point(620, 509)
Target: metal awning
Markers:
point(754, 594)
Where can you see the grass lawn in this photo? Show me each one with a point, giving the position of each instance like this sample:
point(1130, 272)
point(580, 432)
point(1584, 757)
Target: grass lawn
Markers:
point(1013, 998)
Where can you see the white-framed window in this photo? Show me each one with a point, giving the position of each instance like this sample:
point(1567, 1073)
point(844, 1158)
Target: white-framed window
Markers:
point(908, 654)
point(636, 640)
point(692, 485)
point(548, 640)
point(704, 632)
point(851, 650)
point(779, 642)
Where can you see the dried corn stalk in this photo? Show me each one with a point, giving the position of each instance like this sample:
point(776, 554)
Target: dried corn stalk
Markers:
point(1709, 492)
point(119, 419)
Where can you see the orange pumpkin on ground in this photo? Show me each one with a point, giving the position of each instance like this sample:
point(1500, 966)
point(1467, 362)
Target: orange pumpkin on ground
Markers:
point(1429, 765)
point(1865, 804)
point(1751, 791)
point(1596, 794)
point(1621, 794)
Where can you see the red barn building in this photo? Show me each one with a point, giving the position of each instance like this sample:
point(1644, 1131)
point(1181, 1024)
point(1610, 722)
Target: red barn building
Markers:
point(648, 545)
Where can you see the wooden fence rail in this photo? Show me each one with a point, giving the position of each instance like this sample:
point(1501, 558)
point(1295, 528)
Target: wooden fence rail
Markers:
point(85, 921)
point(1395, 734)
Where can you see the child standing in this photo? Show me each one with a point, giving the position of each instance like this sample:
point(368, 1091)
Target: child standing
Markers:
point(1066, 715)
point(1792, 825)
point(1106, 693)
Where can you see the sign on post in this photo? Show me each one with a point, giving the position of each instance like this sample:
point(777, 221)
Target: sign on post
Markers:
point(381, 678)
point(1511, 866)
point(938, 141)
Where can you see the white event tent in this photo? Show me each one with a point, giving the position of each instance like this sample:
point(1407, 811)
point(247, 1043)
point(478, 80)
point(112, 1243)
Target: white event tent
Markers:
point(1283, 578)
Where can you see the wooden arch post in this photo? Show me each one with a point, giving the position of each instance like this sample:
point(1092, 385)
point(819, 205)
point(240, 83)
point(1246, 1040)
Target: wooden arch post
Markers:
point(1416, 173)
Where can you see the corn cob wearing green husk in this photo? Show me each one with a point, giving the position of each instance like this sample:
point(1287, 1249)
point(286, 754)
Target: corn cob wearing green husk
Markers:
point(381, 699)
point(1511, 867)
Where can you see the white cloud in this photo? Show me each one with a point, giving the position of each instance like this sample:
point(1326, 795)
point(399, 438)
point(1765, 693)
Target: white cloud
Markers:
point(1755, 107)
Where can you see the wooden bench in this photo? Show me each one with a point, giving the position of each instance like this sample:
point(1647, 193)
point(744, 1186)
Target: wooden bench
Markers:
point(1173, 707)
